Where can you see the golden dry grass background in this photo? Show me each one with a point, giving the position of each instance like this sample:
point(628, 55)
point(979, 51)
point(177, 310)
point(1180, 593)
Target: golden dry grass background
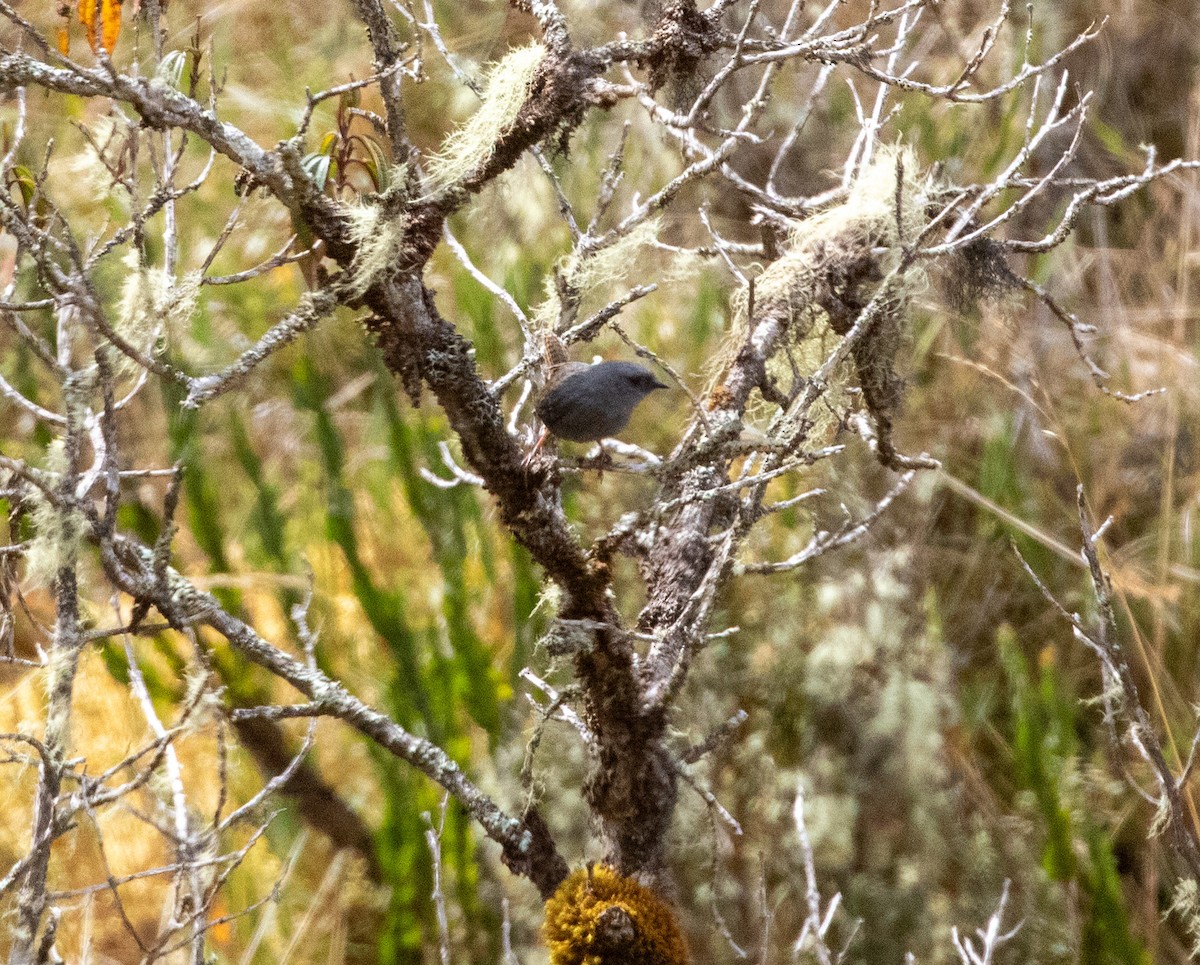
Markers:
point(896, 681)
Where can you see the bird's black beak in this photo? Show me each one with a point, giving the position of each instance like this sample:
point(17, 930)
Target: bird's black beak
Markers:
point(659, 385)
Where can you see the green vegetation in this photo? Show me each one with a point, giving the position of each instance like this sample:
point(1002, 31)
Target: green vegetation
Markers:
point(947, 729)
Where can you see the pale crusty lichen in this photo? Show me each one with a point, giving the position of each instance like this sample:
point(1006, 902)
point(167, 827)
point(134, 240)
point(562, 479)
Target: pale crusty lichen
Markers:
point(1187, 906)
point(596, 270)
point(379, 237)
point(834, 263)
point(505, 89)
point(85, 175)
point(57, 533)
point(865, 223)
point(151, 306)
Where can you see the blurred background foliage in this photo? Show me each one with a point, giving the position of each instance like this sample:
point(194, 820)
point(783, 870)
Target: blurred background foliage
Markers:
point(939, 717)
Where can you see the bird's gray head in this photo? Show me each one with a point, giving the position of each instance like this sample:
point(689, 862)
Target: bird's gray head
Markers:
point(623, 378)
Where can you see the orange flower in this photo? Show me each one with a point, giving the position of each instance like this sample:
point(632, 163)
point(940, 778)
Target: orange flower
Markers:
point(110, 22)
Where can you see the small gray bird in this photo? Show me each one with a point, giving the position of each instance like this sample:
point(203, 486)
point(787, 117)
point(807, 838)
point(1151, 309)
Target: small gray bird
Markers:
point(588, 403)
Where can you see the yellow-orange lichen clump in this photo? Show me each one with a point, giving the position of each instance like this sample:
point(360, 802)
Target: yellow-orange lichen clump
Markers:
point(598, 917)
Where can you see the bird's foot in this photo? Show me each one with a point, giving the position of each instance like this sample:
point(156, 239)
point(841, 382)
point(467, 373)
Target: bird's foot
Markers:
point(531, 456)
point(602, 460)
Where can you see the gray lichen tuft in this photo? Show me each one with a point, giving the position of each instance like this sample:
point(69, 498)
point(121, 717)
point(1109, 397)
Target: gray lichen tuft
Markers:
point(835, 265)
point(379, 237)
point(595, 271)
point(152, 306)
point(505, 90)
point(58, 533)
